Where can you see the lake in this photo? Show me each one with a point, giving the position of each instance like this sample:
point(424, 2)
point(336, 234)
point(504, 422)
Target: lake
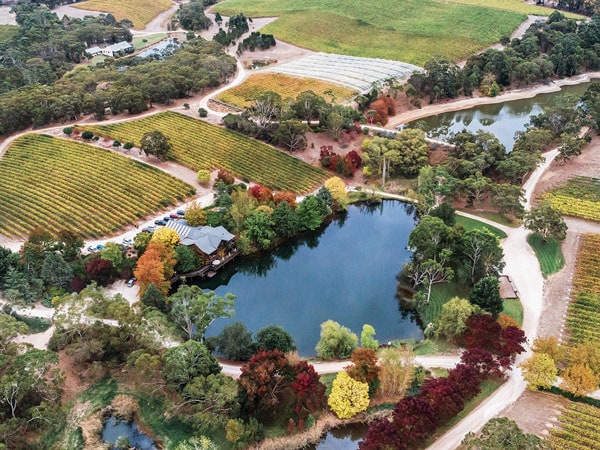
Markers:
point(345, 272)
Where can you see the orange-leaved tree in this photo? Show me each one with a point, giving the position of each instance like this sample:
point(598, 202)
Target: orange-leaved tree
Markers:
point(155, 266)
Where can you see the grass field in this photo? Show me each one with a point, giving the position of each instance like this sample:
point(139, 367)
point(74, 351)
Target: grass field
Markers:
point(199, 145)
point(151, 39)
point(7, 32)
point(514, 309)
point(440, 294)
point(286, 86)
point(578, 197)
point(471, 224)
point(548, 254)
point(515, 6)
point(57, 184)
point(140, 12)
point(412, 31)
point(493, 216)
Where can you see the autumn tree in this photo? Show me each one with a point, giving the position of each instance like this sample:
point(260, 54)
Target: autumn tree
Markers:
point(154, 143)
point(310, 392)
point(168, 236)
point(155, 266)
point(99, 270)
point(579, 380)
point(546, 221)
point(364, 368)
point(397, 367)
point(552, 347)
point(264, 381)
point(195, 215)
point(69, 243)
point(348, 396)
point(194, 309)
point(337, 188)
point(587, 352)
point(539, 371)
point(336, 341)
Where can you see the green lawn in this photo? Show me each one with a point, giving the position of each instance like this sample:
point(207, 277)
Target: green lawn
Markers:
point(440, 294)
point(413, 31)
point(495, 216)
point(7, 32)
point(472, 224)
point(514, 309)
point(327, 380)
point(549, 254)
point(138, 41)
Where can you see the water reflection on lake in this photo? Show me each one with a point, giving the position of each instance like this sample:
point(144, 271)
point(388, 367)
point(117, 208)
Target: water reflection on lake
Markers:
point(114, 429)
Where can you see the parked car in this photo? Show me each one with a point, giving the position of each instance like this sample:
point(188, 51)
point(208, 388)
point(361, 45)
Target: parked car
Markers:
point(99, 246)
point(160, 222)
point(150, 229)
point(181, 212)
point(92, 249)
point(131, 282)
point(174, 216)
point(127, 241)
point(166, 218)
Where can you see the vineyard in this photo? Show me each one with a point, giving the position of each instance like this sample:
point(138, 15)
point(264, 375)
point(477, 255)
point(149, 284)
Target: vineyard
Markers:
point(579, 428)
point(583, 320)
point(286, 86)
point(578, 197)
point(140, 12)
point(199, 145)
point(59, 184)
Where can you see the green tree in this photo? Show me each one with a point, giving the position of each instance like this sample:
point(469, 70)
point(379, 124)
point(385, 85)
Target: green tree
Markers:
point(310, 213)
point(203, 176)
point(337, 341)
point(570, 145)
point(154, 143)
point(539, 371)
point(188, 361)
point(291, 134)
point(259, 228)
point(546, 221)
point(141, 241)
point(274, 337)
point(433, 186)
point(114, 253)
point(197, 443)
point(154, 298)
point(69, 244)
point(55, 271)
point(451, 322)
point(213, 399)
point(8, 259)
point(366, 337)
point(187, 259)
point(194, 310)
point(10, 328)
point(234, 342)
point(17, 288)
point(308, 105)
point(285, 221)
point(503, 434)
point(486, 295)
point(483, 254)
point(34, 250)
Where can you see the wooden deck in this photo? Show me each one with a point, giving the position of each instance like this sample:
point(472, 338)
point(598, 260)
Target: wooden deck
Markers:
point(210, 270)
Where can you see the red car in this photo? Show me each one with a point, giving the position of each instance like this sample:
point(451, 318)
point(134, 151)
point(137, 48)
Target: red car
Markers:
point(174, 216)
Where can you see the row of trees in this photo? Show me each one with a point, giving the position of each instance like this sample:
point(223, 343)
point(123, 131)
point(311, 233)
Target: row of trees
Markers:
point(560, 47)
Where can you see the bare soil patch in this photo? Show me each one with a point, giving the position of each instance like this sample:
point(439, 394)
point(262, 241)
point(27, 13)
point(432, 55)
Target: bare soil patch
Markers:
point(536, 412)
point(6, 18)
point(75, 381)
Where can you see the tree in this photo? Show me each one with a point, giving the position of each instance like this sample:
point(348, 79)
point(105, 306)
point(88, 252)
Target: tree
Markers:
point(503, 434)
point(187, 259)
point(483, 253)
point(259, 228)
point(348, 397)
point(10, 328)
point(55, 271)
point(539, 371)
point(585, 353)
point(203, 177)
point(214, 401)
point(430, 272)
point(168, 236)
point(141, 241)
point(291, 134)
point(266, 108)
point(285, 221)
point(433, 186)
point(311, 212)
point(99, 270)
point(187, 361)
point(194, 310)
point(337, 188)
point(154, 143)
point(235, 342)
point(483, 332)
point(310, 392)
point(445, 212)
point(308, 105)
point(155, 266)
point(451, 322)
point(34, 250)
point(429, 238)
point(579, 380)
point(546, 221)
point(197, 443)
point(69, 244)
point(195, 215)
point(154, 298)
point(336, 341)
point(397, 368)
point(364, 367)
point(551, 347)
point(264, 381)
point(273, 337)
point(484, 363)
point(486, 295)
point(366, 337)
point(570, 146)
point(114, 253)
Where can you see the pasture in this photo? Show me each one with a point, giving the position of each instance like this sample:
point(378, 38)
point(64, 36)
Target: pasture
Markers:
point(140, 12)
point(57, 184)
point(413, 31)
point(286, 86)
point(199, 145)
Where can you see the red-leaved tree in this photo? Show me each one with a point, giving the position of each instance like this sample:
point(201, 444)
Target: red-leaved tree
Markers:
point(99, 270)
point(310, 392)
point(444, 396)
point(285, 196)
point(261, 193)
point(512, 340)
point(482, 332)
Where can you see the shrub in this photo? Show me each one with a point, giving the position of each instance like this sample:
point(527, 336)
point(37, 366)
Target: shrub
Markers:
point(68, 130)
point(203, 176)
point(128, 145)
point(87, 135)
point(202, 112)
point(225, 177)
point(116, 143)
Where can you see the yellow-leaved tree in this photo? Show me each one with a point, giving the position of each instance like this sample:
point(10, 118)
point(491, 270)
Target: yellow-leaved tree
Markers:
point(539, 371)
point(348, 397)
point(579, 380)
point(168, 236)
point(337, 189)
point(195, 215)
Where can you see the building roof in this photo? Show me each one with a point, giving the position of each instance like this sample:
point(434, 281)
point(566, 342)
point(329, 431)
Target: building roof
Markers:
point(120, 46)
point(206, 238)
point(93, 50)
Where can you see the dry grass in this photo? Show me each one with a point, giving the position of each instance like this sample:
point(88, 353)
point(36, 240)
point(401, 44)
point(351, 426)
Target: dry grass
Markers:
point(140, 12)
point(91, 430)
point(124, 407)
point(285, 85)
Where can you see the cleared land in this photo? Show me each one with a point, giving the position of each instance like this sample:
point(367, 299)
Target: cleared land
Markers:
point(411, 30)
point(578, 197)
point(578, 428)
point(59, 184)
point(140, 12)
point(354, 72)
point(583, 319)
point(199, 145)
point(286, 86)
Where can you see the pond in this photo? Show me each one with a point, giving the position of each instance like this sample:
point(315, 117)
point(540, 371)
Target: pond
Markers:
point(114, 429)
point(342, 438)
point(501, 119)
point(345, 272)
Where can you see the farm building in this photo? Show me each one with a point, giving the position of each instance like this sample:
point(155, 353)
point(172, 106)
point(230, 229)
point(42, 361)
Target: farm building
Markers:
point(212, 244)
point(119, 48)
point(93, 51)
